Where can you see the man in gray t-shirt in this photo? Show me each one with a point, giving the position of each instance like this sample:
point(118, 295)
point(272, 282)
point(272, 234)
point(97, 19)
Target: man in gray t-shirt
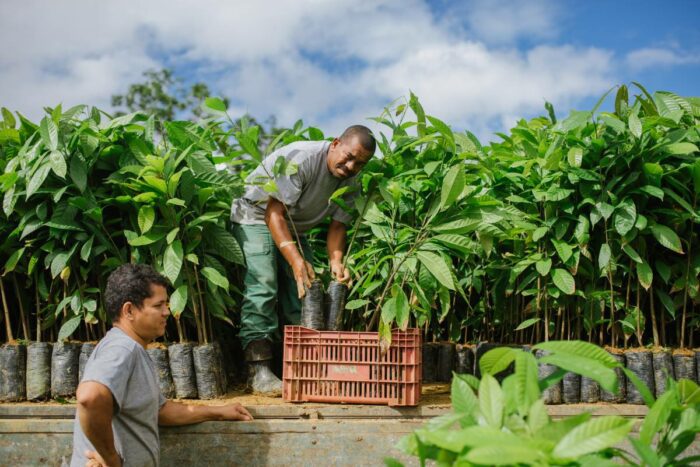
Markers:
point(276, 270)
point(119, 401)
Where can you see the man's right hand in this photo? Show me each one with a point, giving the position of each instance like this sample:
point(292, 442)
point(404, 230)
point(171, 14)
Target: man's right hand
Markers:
point(95, 460)
point(303, 275)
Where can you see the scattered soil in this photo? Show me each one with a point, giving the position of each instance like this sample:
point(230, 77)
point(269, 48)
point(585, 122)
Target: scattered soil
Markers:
point(686, 352)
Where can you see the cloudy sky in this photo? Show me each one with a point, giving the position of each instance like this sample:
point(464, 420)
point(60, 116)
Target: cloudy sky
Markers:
point(478, 64)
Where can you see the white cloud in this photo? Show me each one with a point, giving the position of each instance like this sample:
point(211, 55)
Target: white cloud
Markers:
point(652, 57)
point(331, 63)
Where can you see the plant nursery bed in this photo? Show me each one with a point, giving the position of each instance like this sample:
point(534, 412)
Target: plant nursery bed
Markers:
point(335, 434)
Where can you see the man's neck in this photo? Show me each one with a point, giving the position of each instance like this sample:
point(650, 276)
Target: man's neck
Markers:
point(129, 331)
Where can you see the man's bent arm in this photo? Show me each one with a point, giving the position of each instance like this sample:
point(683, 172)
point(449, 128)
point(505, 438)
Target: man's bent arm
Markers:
point(337, 236)
point(175, 413)
point(95, 410)
point(277, 223)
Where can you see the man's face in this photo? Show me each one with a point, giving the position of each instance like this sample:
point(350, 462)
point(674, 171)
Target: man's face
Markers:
point(346, 158)
point(149, 320)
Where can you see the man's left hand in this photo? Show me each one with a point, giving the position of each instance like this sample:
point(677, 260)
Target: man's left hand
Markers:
point(340, 273)
point(234, 412)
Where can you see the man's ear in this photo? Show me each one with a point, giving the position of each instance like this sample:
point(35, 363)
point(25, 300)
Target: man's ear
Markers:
point(127, 310)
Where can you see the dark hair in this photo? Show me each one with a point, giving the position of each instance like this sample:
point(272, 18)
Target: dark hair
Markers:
point(130, 283)
point(364, 137)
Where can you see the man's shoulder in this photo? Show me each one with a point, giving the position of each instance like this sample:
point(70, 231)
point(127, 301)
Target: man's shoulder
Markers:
point(302, 150)
point(117, 339)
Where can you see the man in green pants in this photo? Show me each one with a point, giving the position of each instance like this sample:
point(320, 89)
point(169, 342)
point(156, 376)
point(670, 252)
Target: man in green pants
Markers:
point(276, 270)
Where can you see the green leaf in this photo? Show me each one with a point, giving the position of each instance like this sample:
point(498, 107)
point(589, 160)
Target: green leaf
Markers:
point(49, 133)
point(491, 401)
point(437, 266)
point(527, 323)
point(38, 179)
point(452, 185)
point(587, 367)
point(580, 349)
point(58, 163)
point(625, 217)
point(464, 400)
point(645, 274)
point(146, 217)
point(402, 309)
point(215, 277)
point(172, 261)
point(496, 360)
point(178, 300)
point(632, 253)
point(504, 454)
point(215, 104)
point(543, 266)
point(681, 148)
point(146, 239)
point(389, 310)
point(86, 249)
point(12, 261)
point(667, 237)
point(604, 256)
point(651, 190)
point(635, 125)
point(564, 250)
point(172, 235)
point(539, 233)
point(564, 281)
point(575, 157)
point(355, 304)
point(527, 389)
point(657, 416)
point(592, 436)
point(224, 244)
point(78, 172)
point(68, 328)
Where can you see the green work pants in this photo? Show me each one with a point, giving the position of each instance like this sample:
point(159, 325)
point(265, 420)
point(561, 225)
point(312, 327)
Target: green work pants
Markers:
point(269, 282)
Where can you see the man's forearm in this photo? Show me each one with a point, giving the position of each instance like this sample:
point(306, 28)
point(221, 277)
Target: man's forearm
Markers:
point(336, 241)
point(279, 229)
point(174, 413)
point(96, 423)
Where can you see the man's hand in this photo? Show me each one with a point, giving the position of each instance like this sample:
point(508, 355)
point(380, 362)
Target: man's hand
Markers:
point(234, 412)
point(95, 460)
point(340, 272)
point(303, 275)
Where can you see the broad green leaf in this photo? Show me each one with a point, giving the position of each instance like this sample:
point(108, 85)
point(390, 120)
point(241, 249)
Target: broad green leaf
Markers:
point(504, 454)
point(564, 250)
point(681, 148)
point(575, 157)
point(645, 452)
point(452, 185)
point(657, 416)
point(38, 178)
point(402, 309)
point(78, 172)
point(564, 281)
point(58, 163)
point(215, 104)
point(527, 389)
point(543, 266)
point(12, 261)
point(215, 277)
point(651, 190)
point(355, 304)
point(224, 244)
point(496, 360)
point(172, 235)
point(580, 349)
point(68, 328)
point(389, 310)
point(634, 256)
point(49, 133)
point(464, 401)
point(146, 217)
point(635, 125)
point(604, 256)
point(456, 242)
point(587, 367)
point(625, 217)
point(146, 239)
point(437, 266)
point(539, 233)
point(645, 274)
point(86, 249)
point(491, 401)
point(667, 237)
point(178, 300)
point(527, 323)
point(592, 436)
point(172, 261)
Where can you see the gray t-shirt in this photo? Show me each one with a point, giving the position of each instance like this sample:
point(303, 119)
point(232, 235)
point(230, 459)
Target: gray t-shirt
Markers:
point(122, 364)
point(306, 193)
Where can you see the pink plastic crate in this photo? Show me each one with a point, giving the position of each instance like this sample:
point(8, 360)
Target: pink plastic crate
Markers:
point(339, 366)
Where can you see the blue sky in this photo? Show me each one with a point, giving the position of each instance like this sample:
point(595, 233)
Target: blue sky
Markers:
point(479, 64)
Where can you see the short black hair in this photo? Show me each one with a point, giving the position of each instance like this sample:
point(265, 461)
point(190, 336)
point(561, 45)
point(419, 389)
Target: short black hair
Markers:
point(364, 137)
point(130, 283)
